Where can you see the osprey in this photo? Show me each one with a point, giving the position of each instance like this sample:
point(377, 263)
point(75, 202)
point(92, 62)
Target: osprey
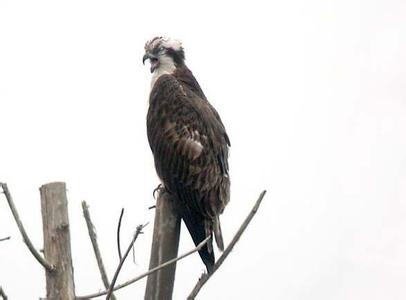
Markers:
point(189, 143)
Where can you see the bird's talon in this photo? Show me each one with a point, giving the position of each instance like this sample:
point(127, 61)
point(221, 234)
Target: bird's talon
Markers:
point(158, 190)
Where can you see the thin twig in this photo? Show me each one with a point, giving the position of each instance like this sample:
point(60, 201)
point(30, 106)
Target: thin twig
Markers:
point(203, 279)
point(93, 239)
point(118, 234)
point(3, 294)
point(5, 239)
point(200, 246)
point(153, 270)
point(113, 282)
point(27, 240)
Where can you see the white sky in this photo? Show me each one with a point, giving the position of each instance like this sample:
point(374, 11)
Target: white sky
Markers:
point(312, 93)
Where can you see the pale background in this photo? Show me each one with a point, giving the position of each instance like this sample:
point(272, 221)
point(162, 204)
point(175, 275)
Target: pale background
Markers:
point(312, 93)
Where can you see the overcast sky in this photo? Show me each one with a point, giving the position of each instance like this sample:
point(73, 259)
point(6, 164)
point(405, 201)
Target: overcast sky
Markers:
point(313, 96)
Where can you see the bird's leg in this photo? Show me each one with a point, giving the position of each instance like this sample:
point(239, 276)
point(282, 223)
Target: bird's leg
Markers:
point(157, 191)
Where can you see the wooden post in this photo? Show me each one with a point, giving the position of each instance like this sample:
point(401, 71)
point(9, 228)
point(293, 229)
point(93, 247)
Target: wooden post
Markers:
point(165, 242)
point(57, 248)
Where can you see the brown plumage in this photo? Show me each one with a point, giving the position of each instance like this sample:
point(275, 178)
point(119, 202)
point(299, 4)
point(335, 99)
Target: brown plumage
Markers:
point(189, 144)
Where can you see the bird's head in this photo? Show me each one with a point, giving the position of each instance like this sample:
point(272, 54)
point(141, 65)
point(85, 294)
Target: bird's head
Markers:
point(164, 54)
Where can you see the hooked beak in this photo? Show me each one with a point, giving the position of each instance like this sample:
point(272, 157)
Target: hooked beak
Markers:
point(152, 59)
point(145, 57)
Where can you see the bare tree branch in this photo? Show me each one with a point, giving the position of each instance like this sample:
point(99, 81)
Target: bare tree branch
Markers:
point(3, 294)
point(131, 281)
point(164, 246)
point(205, 277)
point(113, 282)
point(57, 247)
point(26, 239)
point(5, 239)
point(93, 239)
point(118, 234)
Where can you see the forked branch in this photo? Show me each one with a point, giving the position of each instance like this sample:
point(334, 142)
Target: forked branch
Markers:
point(205, 277)
point(113, 282)
point(26, 239)
point(153, 270)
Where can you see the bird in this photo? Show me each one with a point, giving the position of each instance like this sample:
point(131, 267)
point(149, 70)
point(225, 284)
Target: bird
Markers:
point(189, 143)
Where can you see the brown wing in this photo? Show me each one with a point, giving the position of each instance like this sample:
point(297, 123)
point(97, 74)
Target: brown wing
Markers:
point(186, 78)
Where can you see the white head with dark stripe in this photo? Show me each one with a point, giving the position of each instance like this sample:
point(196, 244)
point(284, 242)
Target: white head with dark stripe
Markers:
point(164, 54)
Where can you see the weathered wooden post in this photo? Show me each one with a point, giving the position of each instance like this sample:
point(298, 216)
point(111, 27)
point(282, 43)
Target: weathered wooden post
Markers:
point(57, 248)
point(165, 242)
